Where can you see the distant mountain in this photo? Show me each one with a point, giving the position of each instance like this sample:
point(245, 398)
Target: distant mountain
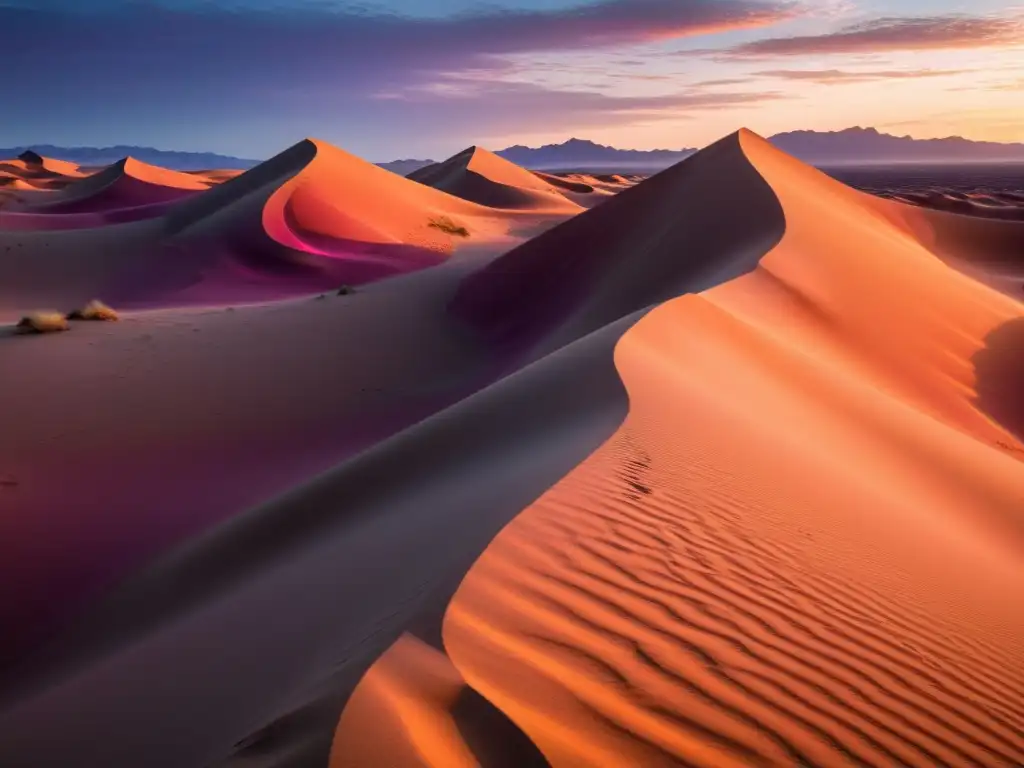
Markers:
point(405, 167)
point(179, 161)
point(868, 145)
point(854, 145)
point(582, 154)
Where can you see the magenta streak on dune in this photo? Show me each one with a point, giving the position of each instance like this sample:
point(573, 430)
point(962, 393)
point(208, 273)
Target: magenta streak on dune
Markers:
point(362, 261)
point(209, 272)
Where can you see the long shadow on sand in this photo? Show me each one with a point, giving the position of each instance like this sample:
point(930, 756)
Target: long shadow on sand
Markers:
point(999, 371)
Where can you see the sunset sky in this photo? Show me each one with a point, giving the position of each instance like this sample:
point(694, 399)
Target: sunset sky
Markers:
point(411, 78)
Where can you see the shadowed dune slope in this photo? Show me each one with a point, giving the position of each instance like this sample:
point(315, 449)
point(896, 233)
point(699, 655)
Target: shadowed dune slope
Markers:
point(674, 233)
point(302, 593)
point(484, 178)
point(235, 406)
point(804, 544)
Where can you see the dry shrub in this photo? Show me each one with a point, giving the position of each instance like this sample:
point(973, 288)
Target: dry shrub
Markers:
point(94, 310)
point(445, 224)
point(43, 322)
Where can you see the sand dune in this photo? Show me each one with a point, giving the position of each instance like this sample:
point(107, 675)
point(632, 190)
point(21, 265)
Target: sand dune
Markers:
point(212, 395)
point(484, 178)
point(129, 183)
point(308, 220)
point(338, 200)
point(586, 189)
point(668, 236)
point(728, 471)
point(29, 175)
point(840, 586)
point(408, 695)
point(302, 588)
point(985, 206)
point(56, 195)
point(30, 165)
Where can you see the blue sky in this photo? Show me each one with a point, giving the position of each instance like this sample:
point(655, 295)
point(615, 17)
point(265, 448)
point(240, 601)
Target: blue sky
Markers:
point(402, 78)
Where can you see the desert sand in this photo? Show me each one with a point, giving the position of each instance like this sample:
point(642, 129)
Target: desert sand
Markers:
point(482, 177)
point(311, 219)
point(842, 586)
point(728, 470)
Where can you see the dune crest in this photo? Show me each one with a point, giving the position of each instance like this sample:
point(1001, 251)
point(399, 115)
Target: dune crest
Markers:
point(803, 544)
point(129, 183)
point(338, 200)
point(484, 178)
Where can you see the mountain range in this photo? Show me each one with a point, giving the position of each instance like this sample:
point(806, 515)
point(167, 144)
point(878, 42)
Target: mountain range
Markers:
point(850, 146)
point(89, 156)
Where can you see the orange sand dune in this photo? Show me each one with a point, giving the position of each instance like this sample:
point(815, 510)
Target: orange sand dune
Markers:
point(804, 544)
point(308, 220)
point(590, 183)
point(408, 695)
point(13, 182)
point(32, 165)
point(216, 175)
point(57, 186)
point(484, 178)
point(128, 183)
point(154, 174)
point(340, 197)
point(33, 173)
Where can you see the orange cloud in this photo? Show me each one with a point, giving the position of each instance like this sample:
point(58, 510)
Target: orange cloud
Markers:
point(834, 76)
point(894, 34)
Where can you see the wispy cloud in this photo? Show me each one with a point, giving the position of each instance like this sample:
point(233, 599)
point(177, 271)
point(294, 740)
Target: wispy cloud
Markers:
point(836, 76)
point(1013, 85)
point(512, 108)
point(894, 34)
point(722, 81)
point(159, 71)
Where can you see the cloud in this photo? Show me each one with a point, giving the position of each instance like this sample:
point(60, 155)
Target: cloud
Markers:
point(835, 76)
point(495, 111)
point(154, 37)
point(251, 82)
point(1012, 85)
point(516, 105)
point(894, 34)
point(722, 81)
point(115, 68)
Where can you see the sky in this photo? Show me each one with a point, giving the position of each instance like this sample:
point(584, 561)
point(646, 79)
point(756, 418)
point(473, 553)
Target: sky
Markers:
point(390, 79)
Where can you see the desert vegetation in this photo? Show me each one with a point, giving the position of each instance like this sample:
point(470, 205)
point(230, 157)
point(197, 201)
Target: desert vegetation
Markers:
point(445, 224)
point(94, 310)
point(45, 321)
